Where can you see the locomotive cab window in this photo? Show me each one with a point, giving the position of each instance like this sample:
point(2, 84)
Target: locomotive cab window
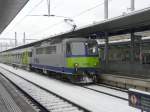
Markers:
point(75, 48)
point(91, 48)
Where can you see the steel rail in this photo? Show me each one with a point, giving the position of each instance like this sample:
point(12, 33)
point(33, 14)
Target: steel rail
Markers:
point(109, 94)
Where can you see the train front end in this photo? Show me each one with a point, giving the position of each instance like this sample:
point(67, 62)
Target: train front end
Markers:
point(82, 60)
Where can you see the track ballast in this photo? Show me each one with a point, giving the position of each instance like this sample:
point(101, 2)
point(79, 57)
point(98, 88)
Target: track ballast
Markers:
point(47, 99)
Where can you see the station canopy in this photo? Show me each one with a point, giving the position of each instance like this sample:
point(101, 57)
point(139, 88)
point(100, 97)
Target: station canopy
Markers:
point(136, 21)
point(133, 22)
point(8, 10)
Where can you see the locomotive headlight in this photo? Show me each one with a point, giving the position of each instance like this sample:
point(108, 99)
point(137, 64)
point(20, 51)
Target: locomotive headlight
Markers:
point(76, 65)
point(96, 64)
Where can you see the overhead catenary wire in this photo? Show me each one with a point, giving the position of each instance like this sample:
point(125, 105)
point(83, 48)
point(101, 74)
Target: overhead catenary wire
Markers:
point(54, 25)
point(27, 14)
point(47, 28)
point(48, 2)
point(89, 9)
point(85, 11)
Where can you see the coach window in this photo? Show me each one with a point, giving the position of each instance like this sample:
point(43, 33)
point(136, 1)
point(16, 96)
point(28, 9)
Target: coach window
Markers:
point(18, 56)
point(30, 54)
point(39, 51)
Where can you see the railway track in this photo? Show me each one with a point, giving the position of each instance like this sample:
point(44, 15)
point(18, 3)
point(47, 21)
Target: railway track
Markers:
point(115, 91)
point(100, 88)
point(113, 87)
point(108, 90)
point(49, 101)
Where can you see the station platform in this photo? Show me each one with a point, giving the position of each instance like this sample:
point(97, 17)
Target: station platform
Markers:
point(127, 82)
point(11, 100)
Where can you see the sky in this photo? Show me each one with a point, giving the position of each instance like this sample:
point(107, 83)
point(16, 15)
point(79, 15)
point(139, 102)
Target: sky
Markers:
point(83, 12)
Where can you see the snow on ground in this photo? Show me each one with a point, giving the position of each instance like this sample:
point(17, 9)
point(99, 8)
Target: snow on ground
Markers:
point(89, 99)
point(108, 90)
